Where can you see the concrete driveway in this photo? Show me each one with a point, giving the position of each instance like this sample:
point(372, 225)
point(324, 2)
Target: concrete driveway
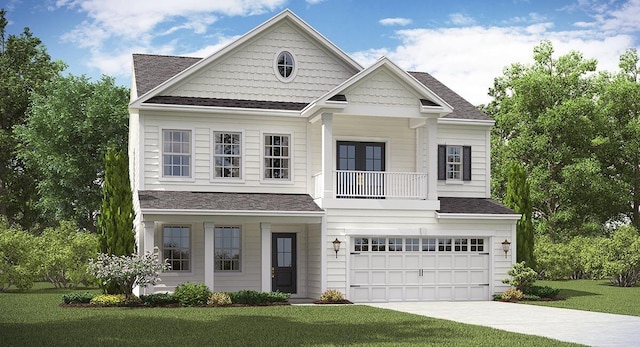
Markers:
point(588, 328)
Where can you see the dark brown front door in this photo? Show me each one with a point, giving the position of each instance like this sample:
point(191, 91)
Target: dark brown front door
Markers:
point(283, 262)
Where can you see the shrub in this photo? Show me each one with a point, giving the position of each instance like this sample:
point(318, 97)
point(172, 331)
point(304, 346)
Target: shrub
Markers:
point(219, 299)
point(252, 297)
point(332, 295)
point(543, 292)
point(159, 299)
point(109, 300)
point(192, 294)
point(530, 297)
point(512, 294)
point(621, 261)
point(522, 277)
point(20, 257)
point(78, 298)
point(66, 252)
point(128, 271)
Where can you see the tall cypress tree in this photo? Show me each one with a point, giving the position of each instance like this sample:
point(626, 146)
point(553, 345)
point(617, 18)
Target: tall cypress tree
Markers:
point(115, 223)
point(518, 199)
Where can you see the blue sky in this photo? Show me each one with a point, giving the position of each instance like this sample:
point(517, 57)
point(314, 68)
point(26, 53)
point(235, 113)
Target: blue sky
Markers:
point(465, 44)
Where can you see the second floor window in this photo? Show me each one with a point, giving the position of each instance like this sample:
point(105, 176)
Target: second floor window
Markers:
point(454, 163)
point(227, 155)
point(277, 159)
point(176, 153)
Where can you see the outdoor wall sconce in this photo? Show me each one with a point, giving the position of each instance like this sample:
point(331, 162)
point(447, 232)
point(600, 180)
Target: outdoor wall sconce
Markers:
point(336, 246)
point(506, 246)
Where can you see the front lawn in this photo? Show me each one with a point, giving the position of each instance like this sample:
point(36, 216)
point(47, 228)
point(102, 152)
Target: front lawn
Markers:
point(34, 318)
point(597, 296)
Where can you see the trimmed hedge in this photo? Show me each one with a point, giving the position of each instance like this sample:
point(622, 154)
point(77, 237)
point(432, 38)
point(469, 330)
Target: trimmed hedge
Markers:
point(252, 297)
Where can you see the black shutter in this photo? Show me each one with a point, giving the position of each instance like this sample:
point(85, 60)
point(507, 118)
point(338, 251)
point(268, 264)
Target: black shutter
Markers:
point(442, 162)
point(466, 163)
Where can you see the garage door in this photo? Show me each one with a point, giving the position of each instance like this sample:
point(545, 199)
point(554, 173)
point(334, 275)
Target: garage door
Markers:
point(419, 269)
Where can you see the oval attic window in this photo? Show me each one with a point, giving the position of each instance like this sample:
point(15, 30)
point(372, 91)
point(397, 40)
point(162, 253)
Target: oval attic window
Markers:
point(285, 66)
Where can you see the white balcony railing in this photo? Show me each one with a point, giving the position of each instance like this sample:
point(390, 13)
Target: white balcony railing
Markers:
point(375, 184)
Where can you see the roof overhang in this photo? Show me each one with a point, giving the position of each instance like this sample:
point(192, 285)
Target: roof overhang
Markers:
point(478, 216)
point(253, 213)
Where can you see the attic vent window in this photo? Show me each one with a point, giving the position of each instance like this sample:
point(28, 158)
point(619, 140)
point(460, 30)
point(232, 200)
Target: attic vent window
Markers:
point(285, 66)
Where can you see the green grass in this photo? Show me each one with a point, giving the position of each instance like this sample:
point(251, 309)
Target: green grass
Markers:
point(599, 296)
point(34, 318)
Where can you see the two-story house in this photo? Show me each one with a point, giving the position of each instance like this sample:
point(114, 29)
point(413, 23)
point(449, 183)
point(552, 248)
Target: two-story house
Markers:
point(280, 163)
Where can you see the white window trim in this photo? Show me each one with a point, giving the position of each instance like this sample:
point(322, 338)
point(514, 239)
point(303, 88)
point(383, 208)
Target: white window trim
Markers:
point(171, 273)
point(277, 181)
point(294, 73)
point(243, 142)
point(242, 247)
point(192, 169)
point(454, 180)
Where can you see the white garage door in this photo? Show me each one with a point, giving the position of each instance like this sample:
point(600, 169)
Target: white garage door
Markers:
point(419, 269)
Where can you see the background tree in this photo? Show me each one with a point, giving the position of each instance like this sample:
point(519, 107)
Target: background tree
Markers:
point(72, 121)
point(546, 119)
point(25, 66)
point(619, 140)
point(517, 198)
point(115, 223)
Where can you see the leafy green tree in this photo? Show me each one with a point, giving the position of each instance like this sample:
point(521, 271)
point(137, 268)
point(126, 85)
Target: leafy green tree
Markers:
point(66, 254)
point(546, 120)
point(517, 198)
point(72, 121)
point(115, 224)
point(25, 67)
point(621, 257)
point(619, 140)
point(20, 257)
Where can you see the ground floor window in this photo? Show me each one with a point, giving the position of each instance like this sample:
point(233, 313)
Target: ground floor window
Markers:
point(227, 248)
point(176, 246)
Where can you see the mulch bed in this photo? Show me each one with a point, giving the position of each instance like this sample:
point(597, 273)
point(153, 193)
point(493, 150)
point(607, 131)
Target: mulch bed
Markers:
point(318, 302)
point(175, 305)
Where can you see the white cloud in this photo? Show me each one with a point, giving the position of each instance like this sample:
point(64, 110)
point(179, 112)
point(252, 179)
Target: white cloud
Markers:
point(313, 2)
point(116, 28)
point(461, 19)
point(468, 59)
point(395, 21)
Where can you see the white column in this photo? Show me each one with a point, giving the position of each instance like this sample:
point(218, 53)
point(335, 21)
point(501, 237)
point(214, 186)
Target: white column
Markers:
point(265, 232)
point(327, 154)
point(146, 246)
point(323, 255)
point(209, 254)
point(432, 157)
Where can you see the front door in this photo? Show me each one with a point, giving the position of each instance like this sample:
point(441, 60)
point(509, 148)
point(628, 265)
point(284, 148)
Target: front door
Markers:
point(353, 159)
point(283, 262)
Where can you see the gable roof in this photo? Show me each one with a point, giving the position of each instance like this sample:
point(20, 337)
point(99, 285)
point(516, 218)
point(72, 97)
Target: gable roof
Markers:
point(285, 15)
point(462, 109)
point(152, 70)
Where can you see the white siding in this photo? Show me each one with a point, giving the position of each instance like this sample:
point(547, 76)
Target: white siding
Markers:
point(476, 137)
point(314, 263)
point(381, 88)
point(253, 128)
point(248, 72)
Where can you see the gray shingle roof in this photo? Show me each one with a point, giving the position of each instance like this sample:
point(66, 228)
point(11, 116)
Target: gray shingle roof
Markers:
point(179, 200)
point(152, 70)
point(472, 206)
point(239, 103)
point(462, 109)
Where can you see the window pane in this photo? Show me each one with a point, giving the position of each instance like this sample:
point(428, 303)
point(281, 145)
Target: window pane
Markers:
point(227, 248)
point(177, 246)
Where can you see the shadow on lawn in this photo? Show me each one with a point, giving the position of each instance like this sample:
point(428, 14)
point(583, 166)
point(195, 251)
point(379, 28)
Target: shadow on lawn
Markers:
point(225, 330)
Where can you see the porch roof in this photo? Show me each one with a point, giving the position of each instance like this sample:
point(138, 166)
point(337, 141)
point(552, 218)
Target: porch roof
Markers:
point(472, 206)
point(185, 200)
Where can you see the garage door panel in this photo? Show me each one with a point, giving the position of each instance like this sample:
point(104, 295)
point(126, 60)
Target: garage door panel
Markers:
point(395, 261)
point(419, 275)
point(460, 277)
point(461, 262)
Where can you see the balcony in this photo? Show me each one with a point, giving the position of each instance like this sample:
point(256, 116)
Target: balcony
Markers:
point(374, 185)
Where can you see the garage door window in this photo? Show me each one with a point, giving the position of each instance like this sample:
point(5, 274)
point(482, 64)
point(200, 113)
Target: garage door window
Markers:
point(431, 244)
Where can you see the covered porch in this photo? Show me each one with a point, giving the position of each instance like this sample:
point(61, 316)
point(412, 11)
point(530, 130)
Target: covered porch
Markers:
point(275, 242)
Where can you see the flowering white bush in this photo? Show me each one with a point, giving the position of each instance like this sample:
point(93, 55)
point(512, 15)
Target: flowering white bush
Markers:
point(128, 271)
